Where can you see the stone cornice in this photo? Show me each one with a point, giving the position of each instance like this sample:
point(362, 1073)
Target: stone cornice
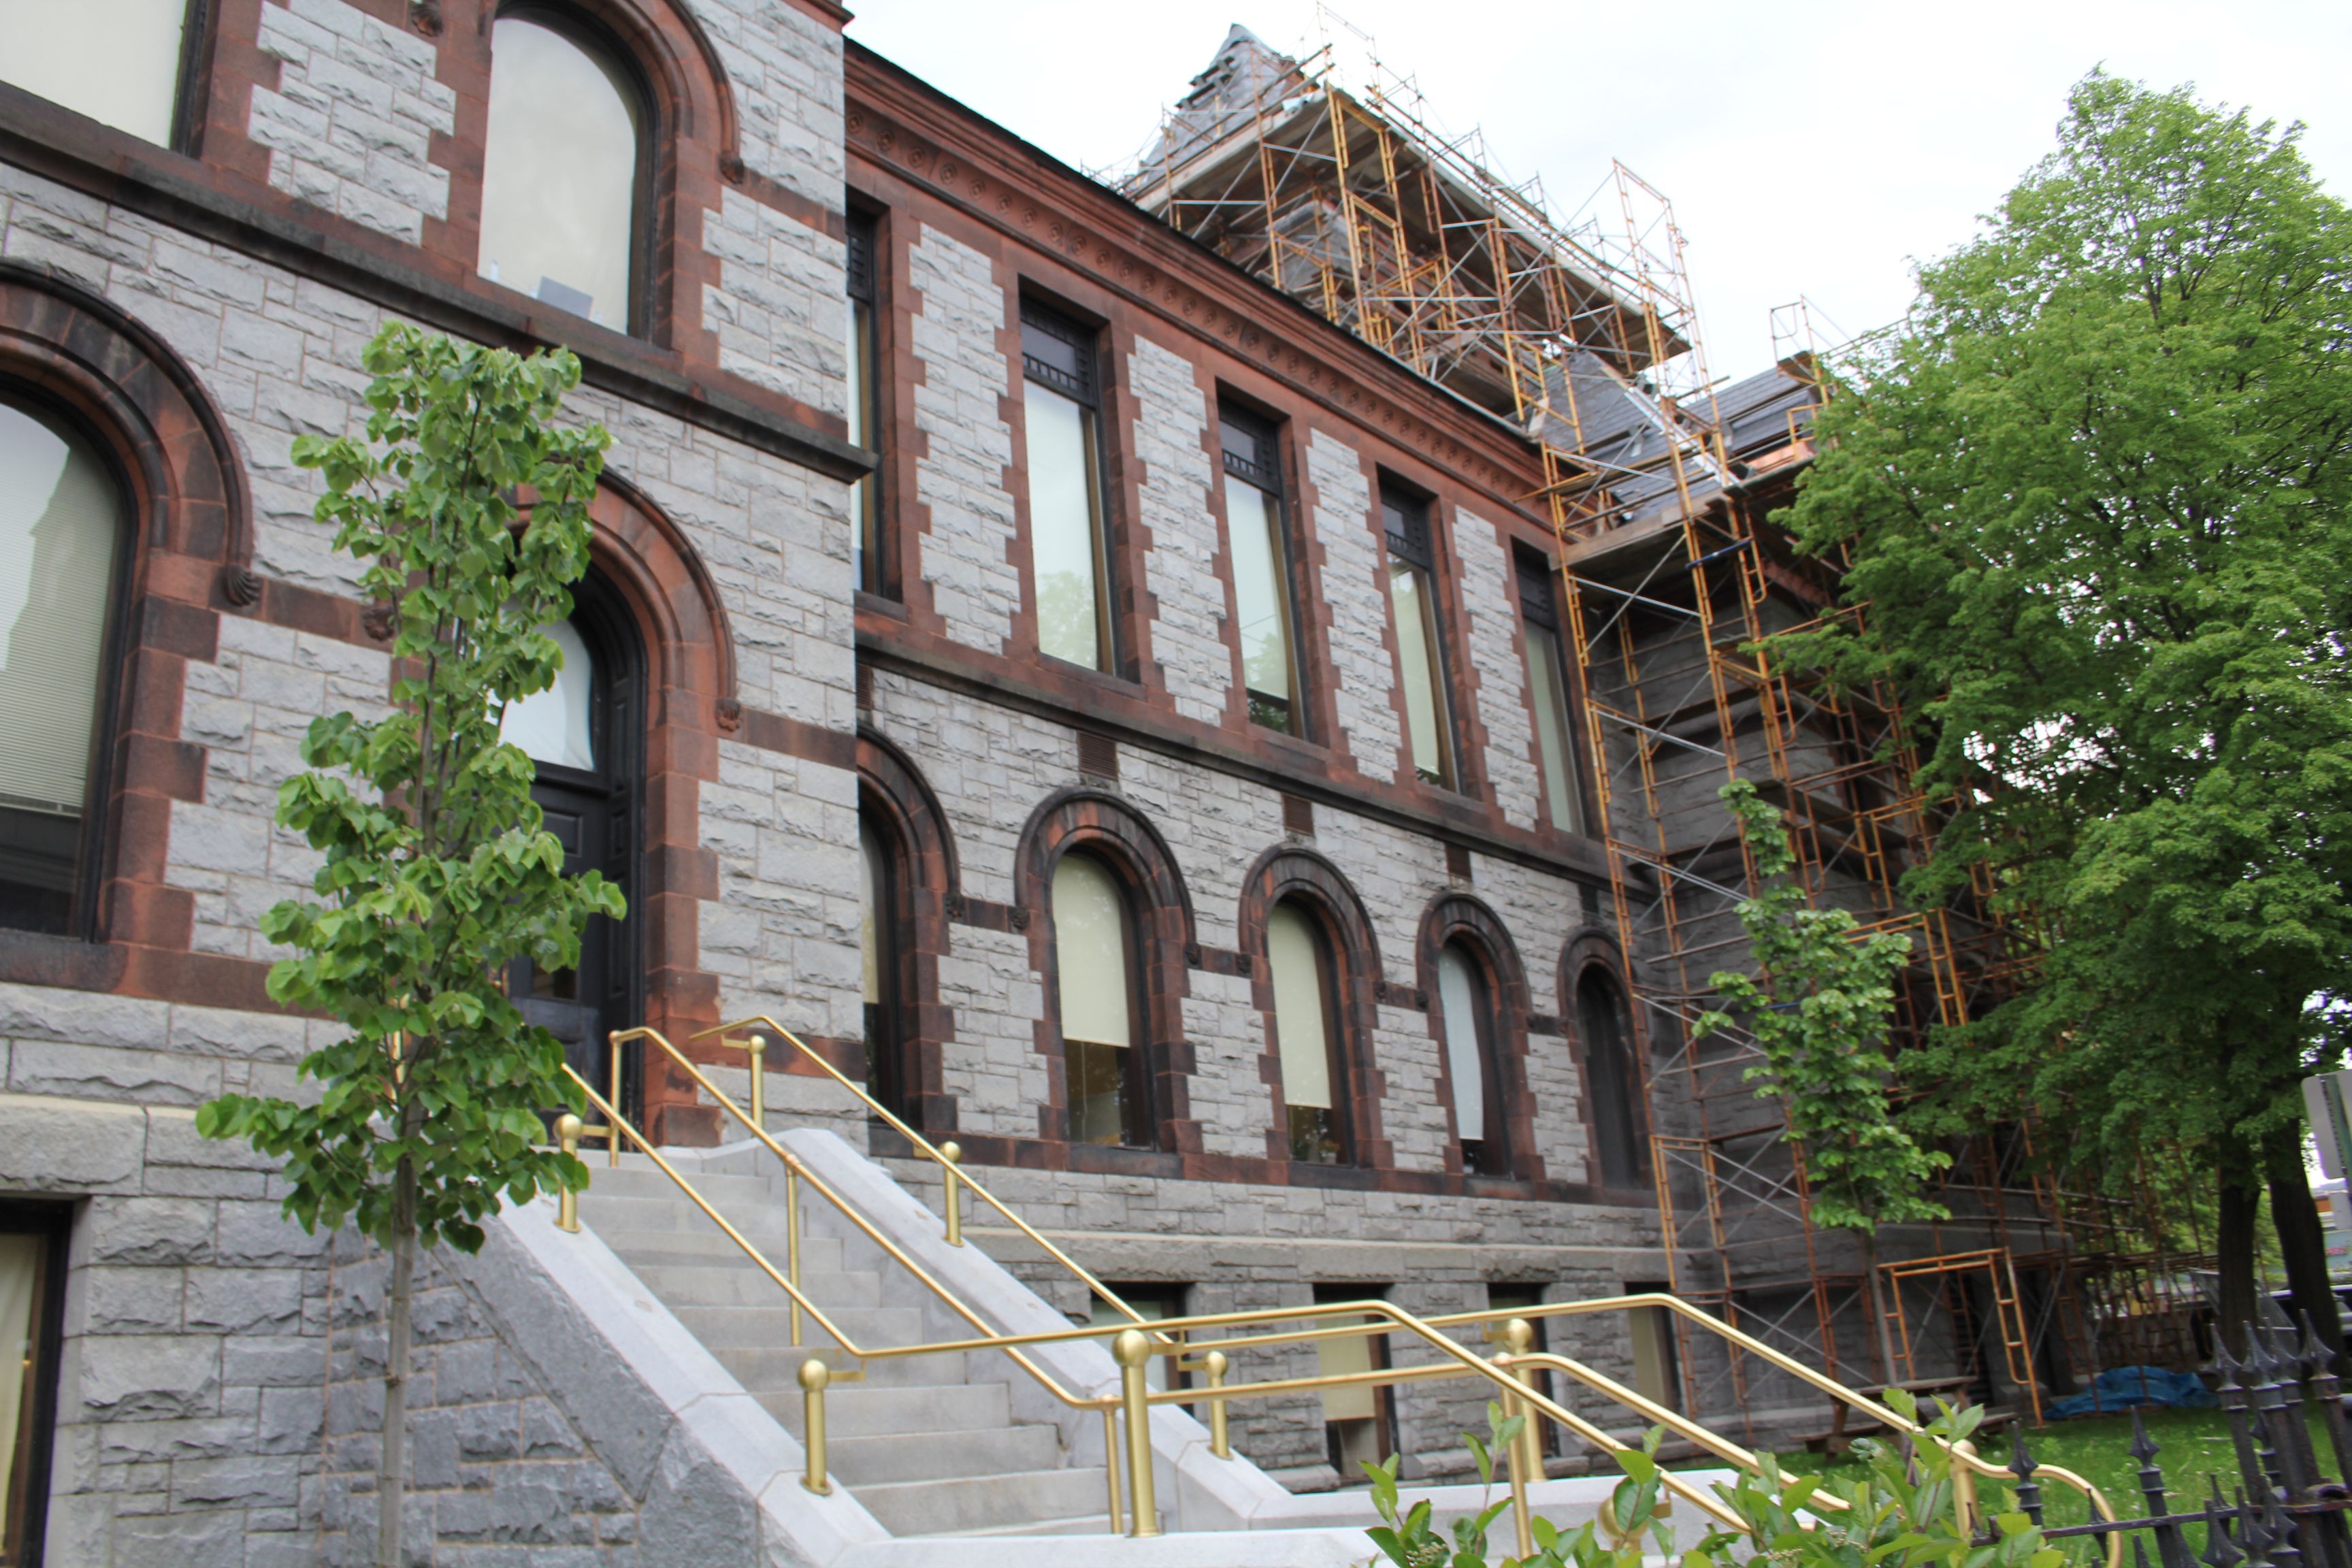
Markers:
point(901, 125)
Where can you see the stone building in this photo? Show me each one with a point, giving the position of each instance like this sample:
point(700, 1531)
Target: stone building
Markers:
point(1096, 701)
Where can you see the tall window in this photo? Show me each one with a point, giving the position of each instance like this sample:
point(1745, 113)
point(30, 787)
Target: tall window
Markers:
point(878, 940)
point(865, 401)
point(1061, 397)
point(1547, 692)
point(62, 522)
point(117, 61)
point(1305, 1037)
point(1466, 1009)
point(562, 172)
point(1420, 656)
point(1261, 569)
point(1609, 1062)
point(1094, 953)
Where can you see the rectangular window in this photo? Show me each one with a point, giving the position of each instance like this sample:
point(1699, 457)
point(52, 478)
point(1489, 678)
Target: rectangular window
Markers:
point(1261, 569)
point(865, 401)
point(32, 1288)
point(1153, 1302)
point(1420, 650)
point(1657, 1377)
point(1060, 402)
point(1548, 693)
point(1355, 1415)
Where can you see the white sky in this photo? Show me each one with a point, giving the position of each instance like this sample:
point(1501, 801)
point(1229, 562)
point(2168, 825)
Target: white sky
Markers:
point(1810, 149)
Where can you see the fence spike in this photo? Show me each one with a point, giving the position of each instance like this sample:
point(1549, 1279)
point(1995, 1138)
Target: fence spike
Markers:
point(2022, 1466)
point(2220, 1552)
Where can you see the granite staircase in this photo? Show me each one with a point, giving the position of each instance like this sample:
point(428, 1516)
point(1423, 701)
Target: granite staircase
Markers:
point(930, 1446)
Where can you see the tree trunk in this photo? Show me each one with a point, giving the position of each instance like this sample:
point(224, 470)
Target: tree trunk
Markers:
point(1878, 1305)
point(2241, 1208)
point(2302, 1245)
point(392, 1471)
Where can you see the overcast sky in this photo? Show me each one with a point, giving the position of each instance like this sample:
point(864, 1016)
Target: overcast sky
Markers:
point(1813, 149)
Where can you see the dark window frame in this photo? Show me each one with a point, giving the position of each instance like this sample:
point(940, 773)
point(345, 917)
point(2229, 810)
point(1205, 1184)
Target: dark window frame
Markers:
point(1493, 1156)
point(54, 1221)
point(647, 204)
point(864, 255)
point(886, 1034)
point(1612, 1074)
point(1337, 1038)
point(1083, 384)
point(100, 811)
point(1415, 542)
point(1263, 472)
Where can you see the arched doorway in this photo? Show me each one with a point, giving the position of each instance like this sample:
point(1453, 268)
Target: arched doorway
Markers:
point(586, 735)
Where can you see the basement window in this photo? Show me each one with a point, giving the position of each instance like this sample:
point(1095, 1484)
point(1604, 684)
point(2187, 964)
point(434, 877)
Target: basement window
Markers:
point(1420, 662)
point(1061, 403)
point(1261, 569)
point(1356, 1423)
point(33, 1239)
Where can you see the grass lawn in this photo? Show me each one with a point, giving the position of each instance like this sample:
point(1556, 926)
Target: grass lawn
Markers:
point(2192, 1446)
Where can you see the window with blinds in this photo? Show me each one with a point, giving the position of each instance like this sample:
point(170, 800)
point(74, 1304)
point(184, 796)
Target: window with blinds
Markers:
point(1548, 693)
point(1467, 1018)
point(1093, 958)
point(561, 172)
point(61, 528)
point(117, 61)
point(1261, 569)
point(1060, 399)
point(1421, 660)
point(1301, 965)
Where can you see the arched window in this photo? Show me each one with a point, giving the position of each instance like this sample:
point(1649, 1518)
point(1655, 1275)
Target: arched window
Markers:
point(1094, 955)
point(877, 931)
point(1466, 1008)
point(562, 170)
point(62, 523)
point(117, 61)
point(1610, 1071)
point(585, 734)
point(1305, 1039)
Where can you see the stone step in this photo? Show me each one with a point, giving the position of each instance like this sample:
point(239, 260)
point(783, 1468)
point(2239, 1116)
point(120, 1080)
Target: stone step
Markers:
point(759, 1217)
point(871, 1410)
point(726, 1193)
point(944, 1506)
point(1096, 1523)
point(777, 1368)
point(742, 1284)
point(1001, 1451)
point(770, 1327)
point(642, 1248)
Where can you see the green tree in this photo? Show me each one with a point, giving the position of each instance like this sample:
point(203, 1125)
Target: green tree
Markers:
point(2096, 494)
point(437, 873)
point(1818, 1008)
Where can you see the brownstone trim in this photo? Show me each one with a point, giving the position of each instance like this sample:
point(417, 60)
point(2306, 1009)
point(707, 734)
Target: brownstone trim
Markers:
point(1160, 912)
point(1295, 872)
point(1587, 948)
point(895, 801)
point(1459, 918)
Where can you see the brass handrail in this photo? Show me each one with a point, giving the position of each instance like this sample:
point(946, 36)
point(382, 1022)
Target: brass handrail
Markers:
point(951, 1172)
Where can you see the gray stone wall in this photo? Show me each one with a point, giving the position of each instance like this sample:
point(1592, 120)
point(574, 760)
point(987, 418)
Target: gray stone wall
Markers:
point(1355, 592)
point(351, 122)
point(783, 67)
point(1190, 615)
point(1497, 666)
point(780, 309)
point(960, 481)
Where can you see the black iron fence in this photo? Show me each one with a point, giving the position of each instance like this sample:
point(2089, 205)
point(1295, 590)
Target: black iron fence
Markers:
point(2286, 1509)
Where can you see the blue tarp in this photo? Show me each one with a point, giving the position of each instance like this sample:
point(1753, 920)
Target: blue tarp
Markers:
point(2121, 1387)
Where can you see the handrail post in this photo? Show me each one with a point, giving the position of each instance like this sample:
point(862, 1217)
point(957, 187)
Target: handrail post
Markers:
point(814, 1375)
point(1110, 1466)
point(1220, 1437)
point(568, 1129)
point(612, 1123)
point(758, 1049)
point(1517, 1335)
point(950, 1153)
point(1964, 1488)
point(1520, 1335)
point(792, 1242)
point(1132, 1350)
